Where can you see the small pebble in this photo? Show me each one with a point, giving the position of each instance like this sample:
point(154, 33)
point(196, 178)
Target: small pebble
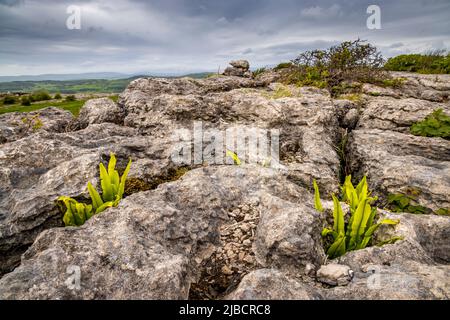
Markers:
point(226, 270)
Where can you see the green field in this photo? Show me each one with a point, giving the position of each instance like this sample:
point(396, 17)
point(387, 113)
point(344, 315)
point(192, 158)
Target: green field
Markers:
point(77, 86)
point(72, 106)
point(67, 87)
point(112, 87)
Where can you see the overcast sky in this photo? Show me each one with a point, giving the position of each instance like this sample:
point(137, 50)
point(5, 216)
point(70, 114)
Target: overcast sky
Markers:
point(133, 36)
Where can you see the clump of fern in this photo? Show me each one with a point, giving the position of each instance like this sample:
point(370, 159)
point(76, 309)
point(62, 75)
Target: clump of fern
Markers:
point(358, 231)
point(113, 186)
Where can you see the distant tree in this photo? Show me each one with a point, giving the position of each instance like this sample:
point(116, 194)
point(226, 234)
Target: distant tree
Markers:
point(57, 96)
point(9, 100)
point(25, 101)
point(71, 98)
point(40, 95)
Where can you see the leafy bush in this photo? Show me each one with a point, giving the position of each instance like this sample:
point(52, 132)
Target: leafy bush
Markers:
point(71, 98)
point(358, 231)
point(58, 96)
point(283, 65)
point(350, 61)
point(40, 95)
point(9, 100)
point(25, 101)
point(437, 124)
point(433, 62)
point(113, 186)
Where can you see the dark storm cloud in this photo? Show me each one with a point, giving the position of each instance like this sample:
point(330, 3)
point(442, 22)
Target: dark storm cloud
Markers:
point(10, 3)
point(194, 35)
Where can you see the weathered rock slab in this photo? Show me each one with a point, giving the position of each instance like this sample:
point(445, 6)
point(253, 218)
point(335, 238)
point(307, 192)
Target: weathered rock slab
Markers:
point(17, 125)
point(270, 284)
point(99, 111)
point(150, 246)
point(402, 163)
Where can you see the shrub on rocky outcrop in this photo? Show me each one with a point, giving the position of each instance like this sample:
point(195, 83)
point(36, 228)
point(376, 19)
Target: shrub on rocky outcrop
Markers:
point(283, 65)
point(348, 62)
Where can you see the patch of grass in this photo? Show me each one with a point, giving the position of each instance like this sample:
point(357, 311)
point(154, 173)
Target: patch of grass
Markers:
point(355, 97)
point(443, 212)
point(68, 86)
point(214, 75)
point(280, 91)
point(72, 106)
point(437, 124)
point(346, 88)
point(393, 83)
point(114, 98)
point(259, 71)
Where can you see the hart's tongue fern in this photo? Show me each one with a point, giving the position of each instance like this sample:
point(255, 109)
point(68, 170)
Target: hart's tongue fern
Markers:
point(76, 214)
point(358, 232)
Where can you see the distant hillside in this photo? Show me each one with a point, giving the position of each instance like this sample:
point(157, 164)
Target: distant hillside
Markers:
point(78, 86)
point(70, 86)
point(199, 75)
point(65, 77)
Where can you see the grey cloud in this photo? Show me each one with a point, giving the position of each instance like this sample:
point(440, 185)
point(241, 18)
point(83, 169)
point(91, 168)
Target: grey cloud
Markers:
point(11, 3)
point(198, 35)
point(396, 45)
